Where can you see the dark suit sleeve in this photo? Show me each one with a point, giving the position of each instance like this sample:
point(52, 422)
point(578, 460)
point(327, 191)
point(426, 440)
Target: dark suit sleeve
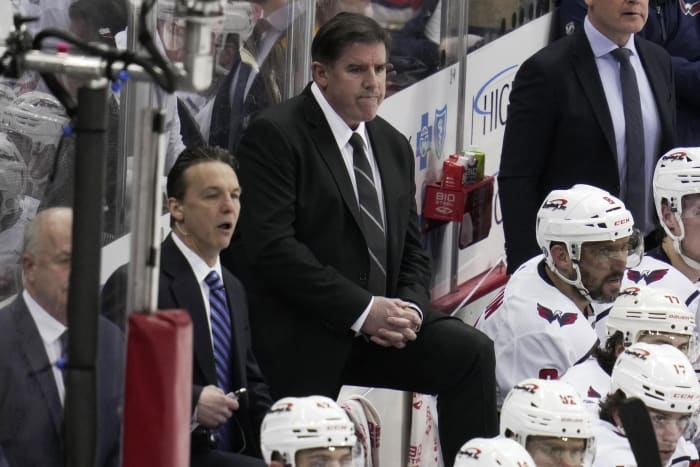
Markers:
point(269, 162)
point(527, 144)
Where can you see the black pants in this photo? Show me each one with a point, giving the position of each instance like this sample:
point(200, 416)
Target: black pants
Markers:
point(450, 359)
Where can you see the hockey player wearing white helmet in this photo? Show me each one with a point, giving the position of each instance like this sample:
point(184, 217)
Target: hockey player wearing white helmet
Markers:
point(663, 378)
point(639, 314)
point(308, 431)
point(549, 420)
point(493, 452)
point(677, 200)
point(539, 323)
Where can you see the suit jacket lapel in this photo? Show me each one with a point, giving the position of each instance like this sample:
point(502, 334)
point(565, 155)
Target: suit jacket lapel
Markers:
point(584, 66)
point(185, 289)
point(328, 149)
point(33, 349)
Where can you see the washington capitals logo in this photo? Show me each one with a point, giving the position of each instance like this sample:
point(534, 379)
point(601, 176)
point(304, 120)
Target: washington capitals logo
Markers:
point(638, 353)
point(593, 393)
point(564, 319)
point(555, 204)
point(472, 453)
point(282, 407)
point(689, 9)
point(527, 387)
point(649, 276)
point(676, 156)
point(631, 291)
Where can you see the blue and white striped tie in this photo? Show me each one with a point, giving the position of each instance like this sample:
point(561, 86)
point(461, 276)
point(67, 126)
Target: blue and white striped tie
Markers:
point(221, 338)
point(220, 329)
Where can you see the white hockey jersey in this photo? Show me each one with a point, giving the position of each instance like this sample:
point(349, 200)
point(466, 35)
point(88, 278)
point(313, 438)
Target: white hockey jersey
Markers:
point(537, 331)
point(613, 449)
point(652, 272)
point(590, 381)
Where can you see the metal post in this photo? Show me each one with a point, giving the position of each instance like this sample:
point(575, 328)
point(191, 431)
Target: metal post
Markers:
point(83, 295)
point(463, 12)
point(142, 291)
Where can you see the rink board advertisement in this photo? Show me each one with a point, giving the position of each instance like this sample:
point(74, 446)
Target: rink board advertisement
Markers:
point(426, 113)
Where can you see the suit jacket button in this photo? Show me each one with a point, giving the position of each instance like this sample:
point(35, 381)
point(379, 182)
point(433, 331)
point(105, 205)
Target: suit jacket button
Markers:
point(363, 277)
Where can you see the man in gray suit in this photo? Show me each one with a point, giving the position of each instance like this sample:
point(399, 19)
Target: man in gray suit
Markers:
point(32, 335)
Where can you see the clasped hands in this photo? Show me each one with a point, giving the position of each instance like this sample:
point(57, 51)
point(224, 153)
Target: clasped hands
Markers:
point(391, 322)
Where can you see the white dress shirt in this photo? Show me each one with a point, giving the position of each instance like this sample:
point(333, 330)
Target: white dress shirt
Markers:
point(50, 330)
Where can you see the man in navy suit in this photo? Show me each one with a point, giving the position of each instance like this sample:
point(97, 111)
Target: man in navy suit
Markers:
point(32, 336)
point(326, 308)
point(566, 121)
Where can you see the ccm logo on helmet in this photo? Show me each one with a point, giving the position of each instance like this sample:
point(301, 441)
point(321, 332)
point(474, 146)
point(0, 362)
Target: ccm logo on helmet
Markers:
point(284, 407)
point(555, 204)
point(622, 221)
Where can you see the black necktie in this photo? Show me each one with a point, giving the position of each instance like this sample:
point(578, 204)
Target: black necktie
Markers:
point(371, 217)
point(633, 187)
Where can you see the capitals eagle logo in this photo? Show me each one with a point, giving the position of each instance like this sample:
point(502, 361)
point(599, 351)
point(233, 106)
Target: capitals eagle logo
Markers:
point(649, 276)
point(564, 319)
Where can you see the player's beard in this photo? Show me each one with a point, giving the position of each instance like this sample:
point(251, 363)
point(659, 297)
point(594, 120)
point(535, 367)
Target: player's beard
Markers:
point(602, 290)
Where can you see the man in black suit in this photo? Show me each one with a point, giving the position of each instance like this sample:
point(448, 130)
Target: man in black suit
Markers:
point(566, 122)
point(339, 296)
point(204, 203)
point(32, 343)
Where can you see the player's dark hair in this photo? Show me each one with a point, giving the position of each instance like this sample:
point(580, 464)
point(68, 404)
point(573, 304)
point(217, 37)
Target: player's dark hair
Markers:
point(606, 357)
point(610, 405)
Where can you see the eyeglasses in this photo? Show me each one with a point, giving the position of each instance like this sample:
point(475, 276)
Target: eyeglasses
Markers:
point(663, 421)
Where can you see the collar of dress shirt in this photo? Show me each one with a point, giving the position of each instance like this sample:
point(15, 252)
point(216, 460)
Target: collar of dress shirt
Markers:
point(50, 329)
point(199, 267)
point(600, 44)
point(341, 131)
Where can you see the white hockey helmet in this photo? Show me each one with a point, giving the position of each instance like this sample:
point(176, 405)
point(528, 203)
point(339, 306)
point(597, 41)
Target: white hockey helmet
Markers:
point(677, 174)
point(297, 423)
point(639, 310)
point(552, 408)
point(583, 214)
point(493, 452)
point(660, 375)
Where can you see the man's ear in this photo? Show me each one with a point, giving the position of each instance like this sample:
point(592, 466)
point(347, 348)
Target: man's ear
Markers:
point(319, 73)
point(175, 209)
point(669, 218)
point(559, 254)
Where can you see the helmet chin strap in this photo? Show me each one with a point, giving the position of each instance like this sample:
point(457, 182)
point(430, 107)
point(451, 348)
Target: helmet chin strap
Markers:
point(677, 239)
point(576, 282)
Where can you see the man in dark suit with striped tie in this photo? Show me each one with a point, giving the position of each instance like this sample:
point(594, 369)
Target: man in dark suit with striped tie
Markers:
point(204, 203)
point(330, 251)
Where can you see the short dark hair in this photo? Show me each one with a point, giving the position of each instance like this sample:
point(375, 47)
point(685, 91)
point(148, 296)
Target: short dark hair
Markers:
point(610, 405)
point(343, 30)
point(607, 357)
point(176, 186)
